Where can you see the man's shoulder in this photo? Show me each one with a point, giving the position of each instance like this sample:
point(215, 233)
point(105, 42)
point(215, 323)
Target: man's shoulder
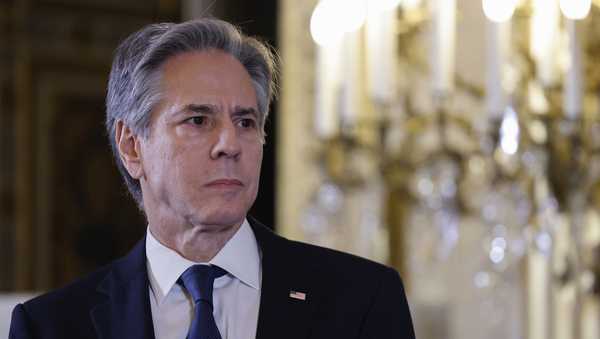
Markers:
point(300, 254)
point(340, 266)
point(84, 292)
point(326, 255)
point(61, 312)
point(371, 294)
point(80, 292)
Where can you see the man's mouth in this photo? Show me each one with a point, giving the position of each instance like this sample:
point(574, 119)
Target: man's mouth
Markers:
point(225, 183)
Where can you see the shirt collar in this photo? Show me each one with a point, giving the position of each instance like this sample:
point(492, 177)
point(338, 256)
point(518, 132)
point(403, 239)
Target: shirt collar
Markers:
point(239, 257)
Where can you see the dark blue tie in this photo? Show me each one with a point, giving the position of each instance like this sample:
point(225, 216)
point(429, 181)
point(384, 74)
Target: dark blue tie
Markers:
point(198, 280)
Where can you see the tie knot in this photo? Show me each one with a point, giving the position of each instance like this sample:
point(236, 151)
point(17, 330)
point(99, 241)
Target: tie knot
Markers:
point(198, 281)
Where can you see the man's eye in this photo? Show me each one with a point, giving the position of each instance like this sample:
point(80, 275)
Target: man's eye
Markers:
point(247, 123)
point(198, 120)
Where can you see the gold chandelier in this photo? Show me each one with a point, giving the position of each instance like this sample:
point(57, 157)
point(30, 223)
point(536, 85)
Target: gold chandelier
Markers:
point(509, 163)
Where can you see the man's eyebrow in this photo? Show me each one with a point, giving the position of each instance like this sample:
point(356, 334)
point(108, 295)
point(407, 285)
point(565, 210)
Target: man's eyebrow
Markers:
point(200, 108)
point(245, 111)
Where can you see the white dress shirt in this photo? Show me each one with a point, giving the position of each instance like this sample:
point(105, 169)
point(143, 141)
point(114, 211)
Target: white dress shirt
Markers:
point(236, 295)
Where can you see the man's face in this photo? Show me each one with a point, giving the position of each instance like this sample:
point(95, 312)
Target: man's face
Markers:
point(201, 161)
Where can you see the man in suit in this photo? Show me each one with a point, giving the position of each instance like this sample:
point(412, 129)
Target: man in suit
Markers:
point(186, 107)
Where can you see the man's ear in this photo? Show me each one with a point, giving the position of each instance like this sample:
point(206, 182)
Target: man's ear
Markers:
point(128, 145)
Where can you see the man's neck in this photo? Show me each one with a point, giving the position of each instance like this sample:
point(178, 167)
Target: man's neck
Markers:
point(198, 243)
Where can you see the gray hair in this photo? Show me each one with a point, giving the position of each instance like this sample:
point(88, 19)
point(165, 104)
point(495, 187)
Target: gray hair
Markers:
point(133, 86)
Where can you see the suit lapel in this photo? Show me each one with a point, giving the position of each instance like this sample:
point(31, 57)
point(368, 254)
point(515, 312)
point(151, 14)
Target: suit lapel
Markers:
point(282, 316)
point(126, 313)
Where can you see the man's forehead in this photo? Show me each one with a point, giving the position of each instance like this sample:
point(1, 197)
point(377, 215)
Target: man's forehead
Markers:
point(207, 77)
point(209, 59)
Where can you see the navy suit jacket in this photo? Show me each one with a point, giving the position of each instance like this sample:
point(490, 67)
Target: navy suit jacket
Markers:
point(346, 297)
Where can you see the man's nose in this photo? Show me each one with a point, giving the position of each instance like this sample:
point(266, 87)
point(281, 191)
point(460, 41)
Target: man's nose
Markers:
point(227, 142)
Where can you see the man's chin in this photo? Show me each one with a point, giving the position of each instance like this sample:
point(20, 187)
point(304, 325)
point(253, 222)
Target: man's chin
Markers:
point(219, 221)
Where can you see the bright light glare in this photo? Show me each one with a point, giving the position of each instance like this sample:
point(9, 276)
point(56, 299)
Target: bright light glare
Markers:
point(575, 9)
point(332, 18)
point(351, 14)
point(425, 187)
point(543, 241)
point(499, 10)
point(322, 29)
point(376, 6)
point(482, 279)
point(509, 132)
point(499, 242)
point(496, 255)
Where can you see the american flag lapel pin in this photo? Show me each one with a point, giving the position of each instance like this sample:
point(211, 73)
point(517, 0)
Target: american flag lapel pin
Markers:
point(298, 295)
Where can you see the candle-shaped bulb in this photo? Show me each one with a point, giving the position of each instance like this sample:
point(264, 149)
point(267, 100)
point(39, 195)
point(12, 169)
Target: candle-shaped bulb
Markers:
point(443, 30)
point(573, 80)
point(327, 26)
point(575, 9)
point(499, 10)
